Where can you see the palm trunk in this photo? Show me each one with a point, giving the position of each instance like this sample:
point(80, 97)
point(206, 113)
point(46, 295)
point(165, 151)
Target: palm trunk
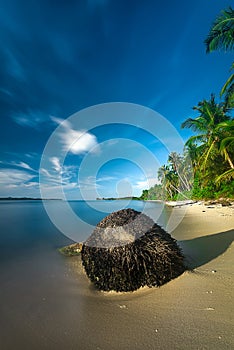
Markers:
point(178, 191)
point(229, 161)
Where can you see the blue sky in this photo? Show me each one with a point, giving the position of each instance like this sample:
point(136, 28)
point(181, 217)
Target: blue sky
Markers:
point(58, 58)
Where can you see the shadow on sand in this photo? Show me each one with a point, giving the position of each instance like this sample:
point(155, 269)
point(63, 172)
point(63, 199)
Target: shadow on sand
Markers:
point(200, 251)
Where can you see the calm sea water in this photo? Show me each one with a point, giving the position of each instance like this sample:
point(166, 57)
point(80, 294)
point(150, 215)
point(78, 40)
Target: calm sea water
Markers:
point(25, 225)
point(43, 305)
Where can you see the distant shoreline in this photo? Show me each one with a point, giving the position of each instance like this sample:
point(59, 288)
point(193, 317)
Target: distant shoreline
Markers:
point(28, 199)
point(118, 199)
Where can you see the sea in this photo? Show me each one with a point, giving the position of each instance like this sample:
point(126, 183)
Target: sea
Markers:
point(46, 300)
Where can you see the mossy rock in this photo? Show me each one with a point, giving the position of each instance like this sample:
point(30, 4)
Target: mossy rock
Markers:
point(72, 249)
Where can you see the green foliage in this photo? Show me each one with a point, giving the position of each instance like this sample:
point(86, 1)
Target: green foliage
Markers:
point(221, 35)
point(176, 180)
point(228, 91)
point(206, 169)
point(212, 191)
point(212, 151)
point(157, 192)
point(144, 195)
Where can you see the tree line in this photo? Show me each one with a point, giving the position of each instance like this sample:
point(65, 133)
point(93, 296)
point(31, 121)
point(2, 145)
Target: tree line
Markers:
point(206, 167)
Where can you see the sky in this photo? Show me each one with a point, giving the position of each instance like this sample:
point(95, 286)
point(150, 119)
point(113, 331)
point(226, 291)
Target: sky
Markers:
point(60, 58)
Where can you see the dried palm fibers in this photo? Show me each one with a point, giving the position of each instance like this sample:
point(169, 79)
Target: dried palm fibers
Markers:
point(127, 250)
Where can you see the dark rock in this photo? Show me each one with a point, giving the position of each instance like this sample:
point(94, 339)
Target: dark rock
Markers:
point(225, 203)
point(127, 250)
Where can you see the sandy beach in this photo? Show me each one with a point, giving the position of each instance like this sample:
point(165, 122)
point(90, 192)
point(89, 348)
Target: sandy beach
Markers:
point(194, 311)
point(47, 302)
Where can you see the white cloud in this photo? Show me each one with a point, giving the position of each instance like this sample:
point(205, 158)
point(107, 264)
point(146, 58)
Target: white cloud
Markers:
point(30, 118)
point(146, 184)
point(89, 183)
point(54, 187)
point(56, 164)
point(18, 183)
point(45, 172)
point(20, 165)
point(14, 177)
point(59, 121)
point(24, 165)
point(76, 141)
point(31, 155)
point(106, 178)
point(58, 174)
point(31, 184)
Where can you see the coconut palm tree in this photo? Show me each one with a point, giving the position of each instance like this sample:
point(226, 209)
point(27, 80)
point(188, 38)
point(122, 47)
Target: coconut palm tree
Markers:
point(207, 127)
point(227, 149)
point(228, 90)
point(168, 179)
point(180, 168)
point(221, 35)
point(226, 130)
point(191, 152)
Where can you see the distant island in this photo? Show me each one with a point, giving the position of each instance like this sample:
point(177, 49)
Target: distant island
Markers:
point(28, 199)
point(118, 199)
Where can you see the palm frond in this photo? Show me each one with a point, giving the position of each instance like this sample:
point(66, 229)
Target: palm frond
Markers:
point(228, 141)
point(221, 35)
point(207, 155)
point(195, 139)
point(227, 85)
point(194, 124)
point(227, 175)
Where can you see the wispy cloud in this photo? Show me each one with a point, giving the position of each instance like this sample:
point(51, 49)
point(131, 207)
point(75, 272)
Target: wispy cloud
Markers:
point(24, 165)
point(54, 187)
point(89, 183)
point(56, 164)
point(31, 118)
point(145, 184)
point(58, 177)
point(59, 174)
point(18, 183)
point(76, 141)
point(106, 178)
point(14, 177)
point(19, 165)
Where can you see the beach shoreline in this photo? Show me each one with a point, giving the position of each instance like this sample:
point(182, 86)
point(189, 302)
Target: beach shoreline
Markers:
point(193, 311)
point(48, 302)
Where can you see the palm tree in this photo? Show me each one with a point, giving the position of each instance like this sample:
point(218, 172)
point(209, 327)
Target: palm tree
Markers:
point(228, 90)
point(144, 195)
point(227, 149)
point(168, 180)
point(191, 153)
point(180, 168)
point(207, 127)
point(226, 129)
point(221, 35)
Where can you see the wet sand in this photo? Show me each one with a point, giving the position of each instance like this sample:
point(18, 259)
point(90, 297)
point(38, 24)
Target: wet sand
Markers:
point(57, 308)
point(194, 311)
